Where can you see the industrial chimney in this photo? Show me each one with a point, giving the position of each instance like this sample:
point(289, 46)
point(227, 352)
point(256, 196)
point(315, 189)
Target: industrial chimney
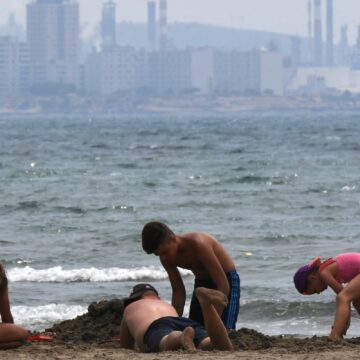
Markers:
point(318, 51)
point(151, 25)
point(163, 24)
point(329, 33)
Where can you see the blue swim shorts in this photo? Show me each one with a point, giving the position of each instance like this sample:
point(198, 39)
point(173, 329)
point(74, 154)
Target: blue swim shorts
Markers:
point(230, 313)
point(165, 325)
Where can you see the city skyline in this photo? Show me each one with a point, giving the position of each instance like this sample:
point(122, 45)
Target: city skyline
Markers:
point(229, 13)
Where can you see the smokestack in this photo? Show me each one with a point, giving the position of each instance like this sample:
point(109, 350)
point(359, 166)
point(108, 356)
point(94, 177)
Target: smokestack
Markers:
point(329, 33)
point(310, 32)
point(318, 58)
point(152, 25)
point(163, 24)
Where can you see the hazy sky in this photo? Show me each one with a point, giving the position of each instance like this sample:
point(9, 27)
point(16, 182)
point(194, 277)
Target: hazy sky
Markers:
point(285, 16)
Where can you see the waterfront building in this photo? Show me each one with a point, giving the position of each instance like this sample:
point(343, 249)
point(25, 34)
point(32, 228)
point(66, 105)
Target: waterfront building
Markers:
point(324, 80)
point(355, 56)
point(14, 66)
point(115, 69)
point(237, 72)
point(343, 58)
point(53, 39)
point(169, 72)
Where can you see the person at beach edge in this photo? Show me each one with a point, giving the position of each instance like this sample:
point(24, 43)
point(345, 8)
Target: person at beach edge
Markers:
point(152, 325)
point(11, 336)
point(205, 257)
point(316, 276)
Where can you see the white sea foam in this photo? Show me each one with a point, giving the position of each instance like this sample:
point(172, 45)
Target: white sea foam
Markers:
point(40, 317)
point(348, 188)
point(58, 274)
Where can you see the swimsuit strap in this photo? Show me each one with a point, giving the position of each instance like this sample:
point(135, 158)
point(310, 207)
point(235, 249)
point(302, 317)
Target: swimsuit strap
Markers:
point(326, 263)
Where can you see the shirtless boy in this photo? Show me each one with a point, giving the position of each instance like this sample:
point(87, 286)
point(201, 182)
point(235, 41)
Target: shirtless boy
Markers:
point(152, 325)
point(205, 257)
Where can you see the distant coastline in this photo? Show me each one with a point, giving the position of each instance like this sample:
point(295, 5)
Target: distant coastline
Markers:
point(126, 104)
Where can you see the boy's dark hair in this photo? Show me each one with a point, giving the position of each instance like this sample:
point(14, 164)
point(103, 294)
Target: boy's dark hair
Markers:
point(3, 279)
point(153, 235)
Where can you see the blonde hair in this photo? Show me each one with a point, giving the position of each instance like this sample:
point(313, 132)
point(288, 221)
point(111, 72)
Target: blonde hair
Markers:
point(3, 279)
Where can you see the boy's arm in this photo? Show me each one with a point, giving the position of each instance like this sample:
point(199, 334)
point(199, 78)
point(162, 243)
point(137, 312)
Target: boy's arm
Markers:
point(5, 311)
point(177, 285)
point(126, 339)
point(212, 265)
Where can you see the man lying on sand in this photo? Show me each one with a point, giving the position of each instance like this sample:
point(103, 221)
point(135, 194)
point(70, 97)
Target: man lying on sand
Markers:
point(152, 325)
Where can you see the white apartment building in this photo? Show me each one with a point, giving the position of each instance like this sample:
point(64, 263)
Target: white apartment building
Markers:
point(271, 73)
point(169, 72)
point(237, 73)
point(53, 39)
point(180, 72)
point(14, 65)
point(115, 69)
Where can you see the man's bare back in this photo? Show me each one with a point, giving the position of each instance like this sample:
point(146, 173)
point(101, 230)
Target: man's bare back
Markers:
point(140, 314)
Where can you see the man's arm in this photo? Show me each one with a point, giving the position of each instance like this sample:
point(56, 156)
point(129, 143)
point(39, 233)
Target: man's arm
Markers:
point(126, 339)
point(177, 285)
point(5, 311)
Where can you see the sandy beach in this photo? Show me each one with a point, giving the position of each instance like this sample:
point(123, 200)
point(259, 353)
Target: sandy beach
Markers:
point(94, 336)
point(87, 352)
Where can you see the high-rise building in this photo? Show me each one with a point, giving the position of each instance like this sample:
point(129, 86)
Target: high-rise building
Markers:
point(344, 50)
point(355, 56)
point(53, 38)
point(14, 65)
point(318, 51)
point(329, 33)
point(151, 25)
point(108, 24)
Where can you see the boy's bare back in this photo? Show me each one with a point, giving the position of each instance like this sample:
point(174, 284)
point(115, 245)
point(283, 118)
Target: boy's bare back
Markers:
point(196, 251)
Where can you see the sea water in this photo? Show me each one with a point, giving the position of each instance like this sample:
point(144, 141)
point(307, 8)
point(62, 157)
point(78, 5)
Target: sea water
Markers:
point(275, 189)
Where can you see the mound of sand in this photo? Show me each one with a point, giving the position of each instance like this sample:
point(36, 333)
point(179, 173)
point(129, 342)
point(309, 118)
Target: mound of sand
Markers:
point(101, 324)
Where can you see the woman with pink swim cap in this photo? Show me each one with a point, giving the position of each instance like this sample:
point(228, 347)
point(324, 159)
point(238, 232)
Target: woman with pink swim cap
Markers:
point(342, 269)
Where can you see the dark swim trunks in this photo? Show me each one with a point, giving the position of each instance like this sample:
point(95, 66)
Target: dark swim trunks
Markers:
point(230, 313)
point(165, 325)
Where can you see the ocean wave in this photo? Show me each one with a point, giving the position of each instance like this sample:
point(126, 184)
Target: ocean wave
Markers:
point(272, 309)
point(58, 274)
point(28, 205)
point(40, 317)
point(255, 179)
